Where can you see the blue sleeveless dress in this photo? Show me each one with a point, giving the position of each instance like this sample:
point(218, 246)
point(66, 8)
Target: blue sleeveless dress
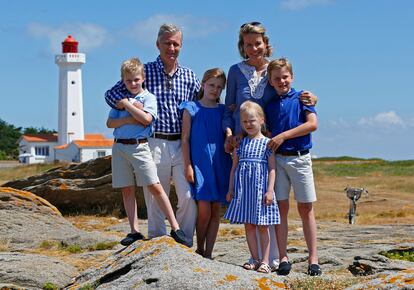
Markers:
point(210, 162)
point(250, 186)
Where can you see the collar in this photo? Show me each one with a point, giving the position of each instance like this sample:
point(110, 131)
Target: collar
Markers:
point(160, 66)
point(289, 94)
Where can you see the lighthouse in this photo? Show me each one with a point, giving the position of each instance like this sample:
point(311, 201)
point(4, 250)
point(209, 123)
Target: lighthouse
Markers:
point(70, 123)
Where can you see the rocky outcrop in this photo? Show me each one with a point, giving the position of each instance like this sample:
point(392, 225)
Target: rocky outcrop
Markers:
point(85, 188)
point(27, 220)
point(34, 271)
point(164, 264)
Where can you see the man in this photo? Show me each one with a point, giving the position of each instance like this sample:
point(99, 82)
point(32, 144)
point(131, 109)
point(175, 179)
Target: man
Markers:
point(171, 84)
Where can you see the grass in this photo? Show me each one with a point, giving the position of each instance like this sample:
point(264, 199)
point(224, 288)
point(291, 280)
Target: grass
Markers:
point(358, 167)
point(49, 286)
point(23, 171)
point(60, 246)
point(406, 255)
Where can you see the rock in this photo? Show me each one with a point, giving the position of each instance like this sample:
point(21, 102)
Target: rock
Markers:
point(369, 265)
point(34, 271)
point(27, 220)
point(162, 263)
point(400, 280)
point(84, 187)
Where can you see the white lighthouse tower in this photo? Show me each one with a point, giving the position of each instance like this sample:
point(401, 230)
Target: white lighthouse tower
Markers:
point(70, 125)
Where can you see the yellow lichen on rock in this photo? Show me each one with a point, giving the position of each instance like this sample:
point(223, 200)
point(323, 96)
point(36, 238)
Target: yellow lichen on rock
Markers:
point(267, 284)
point(26, 198)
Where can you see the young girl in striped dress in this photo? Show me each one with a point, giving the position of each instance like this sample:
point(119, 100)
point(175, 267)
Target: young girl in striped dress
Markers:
point(251, 186)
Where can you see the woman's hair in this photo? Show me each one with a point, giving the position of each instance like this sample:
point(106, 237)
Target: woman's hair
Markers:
point(279, 63)
point(253, 27)
point(249, 107)
point(132, 66)
point(211, 73)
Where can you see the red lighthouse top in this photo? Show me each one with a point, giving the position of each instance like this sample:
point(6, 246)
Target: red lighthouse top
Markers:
point(70, 45)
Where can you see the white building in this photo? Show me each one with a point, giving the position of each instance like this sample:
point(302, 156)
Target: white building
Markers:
point(37, 148)
point(70, 144)
point(93, 146)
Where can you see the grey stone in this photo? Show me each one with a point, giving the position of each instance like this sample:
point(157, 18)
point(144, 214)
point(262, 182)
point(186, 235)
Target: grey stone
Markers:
point(162, 263)
point(34, 271)
point(27, 220)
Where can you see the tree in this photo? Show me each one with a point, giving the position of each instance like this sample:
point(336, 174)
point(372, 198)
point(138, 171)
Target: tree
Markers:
point(34, 130)
point(9, 134)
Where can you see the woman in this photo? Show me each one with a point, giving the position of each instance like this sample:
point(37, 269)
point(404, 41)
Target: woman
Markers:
point(247, 80)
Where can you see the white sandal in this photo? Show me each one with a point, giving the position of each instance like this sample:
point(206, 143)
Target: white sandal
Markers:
point(264, 268)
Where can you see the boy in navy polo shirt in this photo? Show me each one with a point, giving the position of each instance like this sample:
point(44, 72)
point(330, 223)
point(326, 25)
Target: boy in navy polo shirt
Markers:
point(132, 161)
point(291, 123)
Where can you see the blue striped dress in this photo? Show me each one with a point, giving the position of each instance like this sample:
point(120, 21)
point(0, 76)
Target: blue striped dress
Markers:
point(250, 185)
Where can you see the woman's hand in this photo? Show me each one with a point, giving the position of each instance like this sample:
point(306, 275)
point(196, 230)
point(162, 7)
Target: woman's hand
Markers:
point(268, 198)
point(229, 196)
point(228, 144)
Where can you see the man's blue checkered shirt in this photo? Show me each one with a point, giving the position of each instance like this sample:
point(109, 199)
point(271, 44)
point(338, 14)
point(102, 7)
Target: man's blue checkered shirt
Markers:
point(170, 93)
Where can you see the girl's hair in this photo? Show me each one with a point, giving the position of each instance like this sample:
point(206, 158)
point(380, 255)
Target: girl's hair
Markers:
point(211, 73)
point(249, 107)
point(253, 27)
point(132, 66)
point(279, 64)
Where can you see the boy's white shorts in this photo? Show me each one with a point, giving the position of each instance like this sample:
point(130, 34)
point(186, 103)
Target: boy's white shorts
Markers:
point(295, 171)
point(133, 164)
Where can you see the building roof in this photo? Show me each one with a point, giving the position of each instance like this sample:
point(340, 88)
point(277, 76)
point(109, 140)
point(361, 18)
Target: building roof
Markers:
point(93, 143)
point(40, 137)
point(89, 136)
point(91, 140)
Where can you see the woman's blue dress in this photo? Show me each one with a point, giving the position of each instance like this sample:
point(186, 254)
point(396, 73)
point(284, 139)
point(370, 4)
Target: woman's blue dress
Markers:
point(210, 162)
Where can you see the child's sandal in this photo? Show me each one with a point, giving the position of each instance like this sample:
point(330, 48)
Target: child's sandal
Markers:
point(252, 266)
point(264, 268)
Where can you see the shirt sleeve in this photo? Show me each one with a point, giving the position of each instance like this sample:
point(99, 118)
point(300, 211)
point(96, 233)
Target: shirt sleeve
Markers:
point(117, 92)
point(195, 87)
point(113, 114)
point(231, 88)
point(190, 107)
point(150, 105)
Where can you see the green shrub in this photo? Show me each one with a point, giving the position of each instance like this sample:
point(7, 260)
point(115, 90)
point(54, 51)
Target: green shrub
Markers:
point(87, 287)
point(49, 286)
point(103, 246)
point(406, 255)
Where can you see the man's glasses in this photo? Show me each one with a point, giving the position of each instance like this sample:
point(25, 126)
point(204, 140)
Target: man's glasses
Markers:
point(254, 23)
point(169, 83)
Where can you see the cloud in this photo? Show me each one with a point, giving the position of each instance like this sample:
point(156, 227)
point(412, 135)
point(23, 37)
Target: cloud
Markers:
point(88, 35)
point(385, 119)
point(146, 31)
point(301, 4)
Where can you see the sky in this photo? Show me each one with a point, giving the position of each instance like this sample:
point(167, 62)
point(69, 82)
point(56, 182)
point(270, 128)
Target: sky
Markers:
point(357, 56)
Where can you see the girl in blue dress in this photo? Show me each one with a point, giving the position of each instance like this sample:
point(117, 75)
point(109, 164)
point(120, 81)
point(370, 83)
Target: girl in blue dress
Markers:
point(252, 180)
point(206, 165)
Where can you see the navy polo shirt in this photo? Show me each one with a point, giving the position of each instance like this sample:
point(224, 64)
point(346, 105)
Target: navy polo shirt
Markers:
point(284, 113)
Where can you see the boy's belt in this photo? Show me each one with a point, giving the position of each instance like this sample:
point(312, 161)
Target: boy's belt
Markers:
point(131, 141)
point(169, 137)
point(293, 153)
